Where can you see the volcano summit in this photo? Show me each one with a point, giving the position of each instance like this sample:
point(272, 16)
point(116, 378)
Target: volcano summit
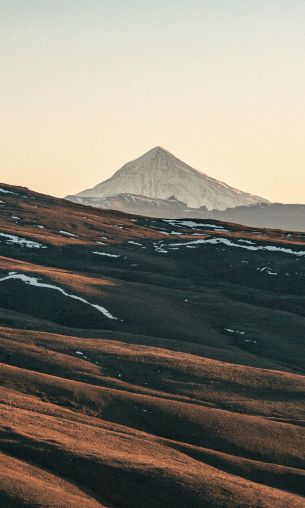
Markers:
point(158, 174)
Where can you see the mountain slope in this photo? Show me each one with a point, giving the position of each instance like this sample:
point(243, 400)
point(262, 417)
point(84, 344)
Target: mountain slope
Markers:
point(159, 174)
point(271, 215)
point(148, 362)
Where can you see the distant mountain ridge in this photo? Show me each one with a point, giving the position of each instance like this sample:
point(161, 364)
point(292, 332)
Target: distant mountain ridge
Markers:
point(158, 174)
point(261, 215)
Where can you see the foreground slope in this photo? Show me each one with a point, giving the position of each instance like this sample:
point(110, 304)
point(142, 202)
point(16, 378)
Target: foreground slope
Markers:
point(148, 362)
point(158, 174)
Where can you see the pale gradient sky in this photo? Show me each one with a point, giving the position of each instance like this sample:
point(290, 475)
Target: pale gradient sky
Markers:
point(86, 85)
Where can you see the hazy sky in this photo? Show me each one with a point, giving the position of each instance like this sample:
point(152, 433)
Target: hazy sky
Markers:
point(86, 85)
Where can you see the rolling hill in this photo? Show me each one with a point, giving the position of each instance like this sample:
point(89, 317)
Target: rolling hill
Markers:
point(148, 362)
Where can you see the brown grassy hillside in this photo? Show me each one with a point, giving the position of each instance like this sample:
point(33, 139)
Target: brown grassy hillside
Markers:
point(148, 363)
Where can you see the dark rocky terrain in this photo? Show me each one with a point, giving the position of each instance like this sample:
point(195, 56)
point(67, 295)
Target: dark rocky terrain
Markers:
point(148, 362)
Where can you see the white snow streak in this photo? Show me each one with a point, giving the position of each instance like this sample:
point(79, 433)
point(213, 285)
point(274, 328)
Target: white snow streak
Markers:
point(135, 243)
point(191, 224)
point(106, 254)
point(33, 281)
point(66, 233)
point(229, 243)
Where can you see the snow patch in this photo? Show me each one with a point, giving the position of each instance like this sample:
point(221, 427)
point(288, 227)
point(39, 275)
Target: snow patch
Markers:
point(236, 332)
point(265, 269)
point(159, 248)
point(23, 242)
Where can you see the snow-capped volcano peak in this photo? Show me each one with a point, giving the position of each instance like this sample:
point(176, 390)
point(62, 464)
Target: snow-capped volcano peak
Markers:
point(159, 174)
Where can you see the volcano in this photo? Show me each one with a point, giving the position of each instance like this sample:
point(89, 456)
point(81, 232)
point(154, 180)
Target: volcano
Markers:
point(158, 174)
